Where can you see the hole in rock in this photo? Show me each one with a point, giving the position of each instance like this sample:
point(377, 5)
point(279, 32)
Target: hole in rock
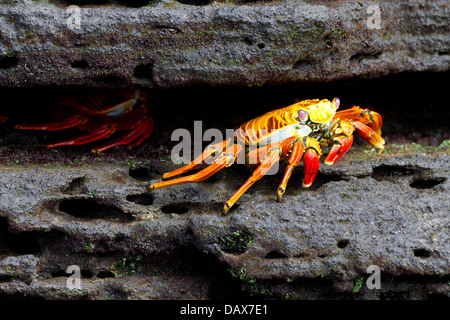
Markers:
point(60, 273)
point(302, 65)
point(274, 254)
point(386, 172)
point(195, 2)
point(86, 274)
point(328, 42)
point(342, 243)
point(174, 208)
point(105, 274)
point(248, 41)
point(144, 71)
point(3, 235)
point(80, 64)
point(91, 209)
point(63, 274)
point(261, 45)
point(24, 242)
point(76, 186)
point(141, 174)
point(426, 183)
point(8, 62)
point(359, 57)
point(422, 253)
point(144, 199)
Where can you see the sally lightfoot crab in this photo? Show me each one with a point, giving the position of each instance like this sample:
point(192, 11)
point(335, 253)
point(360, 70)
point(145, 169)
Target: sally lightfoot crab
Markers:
point(101, 115)
point(294, 133)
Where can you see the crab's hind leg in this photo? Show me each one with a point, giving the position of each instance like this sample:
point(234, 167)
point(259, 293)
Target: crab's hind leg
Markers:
point(102, 133)
point(145, 133)
point(144, 130)
point(209, 152)
point(273, 156)
point(54, 126)
point(225, 159)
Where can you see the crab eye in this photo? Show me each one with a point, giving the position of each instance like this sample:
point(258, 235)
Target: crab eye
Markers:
point(336, 102)
point(303, 116)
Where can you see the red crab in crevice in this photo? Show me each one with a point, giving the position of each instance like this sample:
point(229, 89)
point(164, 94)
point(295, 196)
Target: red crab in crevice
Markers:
point(101, 115)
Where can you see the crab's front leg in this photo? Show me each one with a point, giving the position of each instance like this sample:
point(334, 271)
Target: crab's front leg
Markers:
point(342, 136)
point(309, 150)
point(367, 123)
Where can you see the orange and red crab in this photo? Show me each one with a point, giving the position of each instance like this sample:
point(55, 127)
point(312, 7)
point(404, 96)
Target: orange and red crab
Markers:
point(294, 133)
point(101, 115)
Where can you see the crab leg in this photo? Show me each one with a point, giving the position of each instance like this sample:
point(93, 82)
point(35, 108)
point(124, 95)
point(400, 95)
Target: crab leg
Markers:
point(272, 157)
point(148, 128)
point(311, 161)
point(226, 159)
point(102, 133)
point(294, 159)
point(370, 118)
point(343, 140)
point(207, 154)
point(144, 126)
point(66, 124)
point(341, 146)
point(368, 134)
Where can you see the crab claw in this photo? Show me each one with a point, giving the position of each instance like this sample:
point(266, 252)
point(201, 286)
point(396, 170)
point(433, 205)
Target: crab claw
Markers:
point(311, 165)
point(368, 134)
point(3, 118)
point(343, 143)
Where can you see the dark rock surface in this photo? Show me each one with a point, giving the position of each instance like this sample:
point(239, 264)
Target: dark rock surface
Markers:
point(391, 212)
point(170, 44)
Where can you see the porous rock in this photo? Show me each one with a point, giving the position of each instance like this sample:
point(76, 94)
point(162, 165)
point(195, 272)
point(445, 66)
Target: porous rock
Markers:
point(393, 216)
point(165, 44)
